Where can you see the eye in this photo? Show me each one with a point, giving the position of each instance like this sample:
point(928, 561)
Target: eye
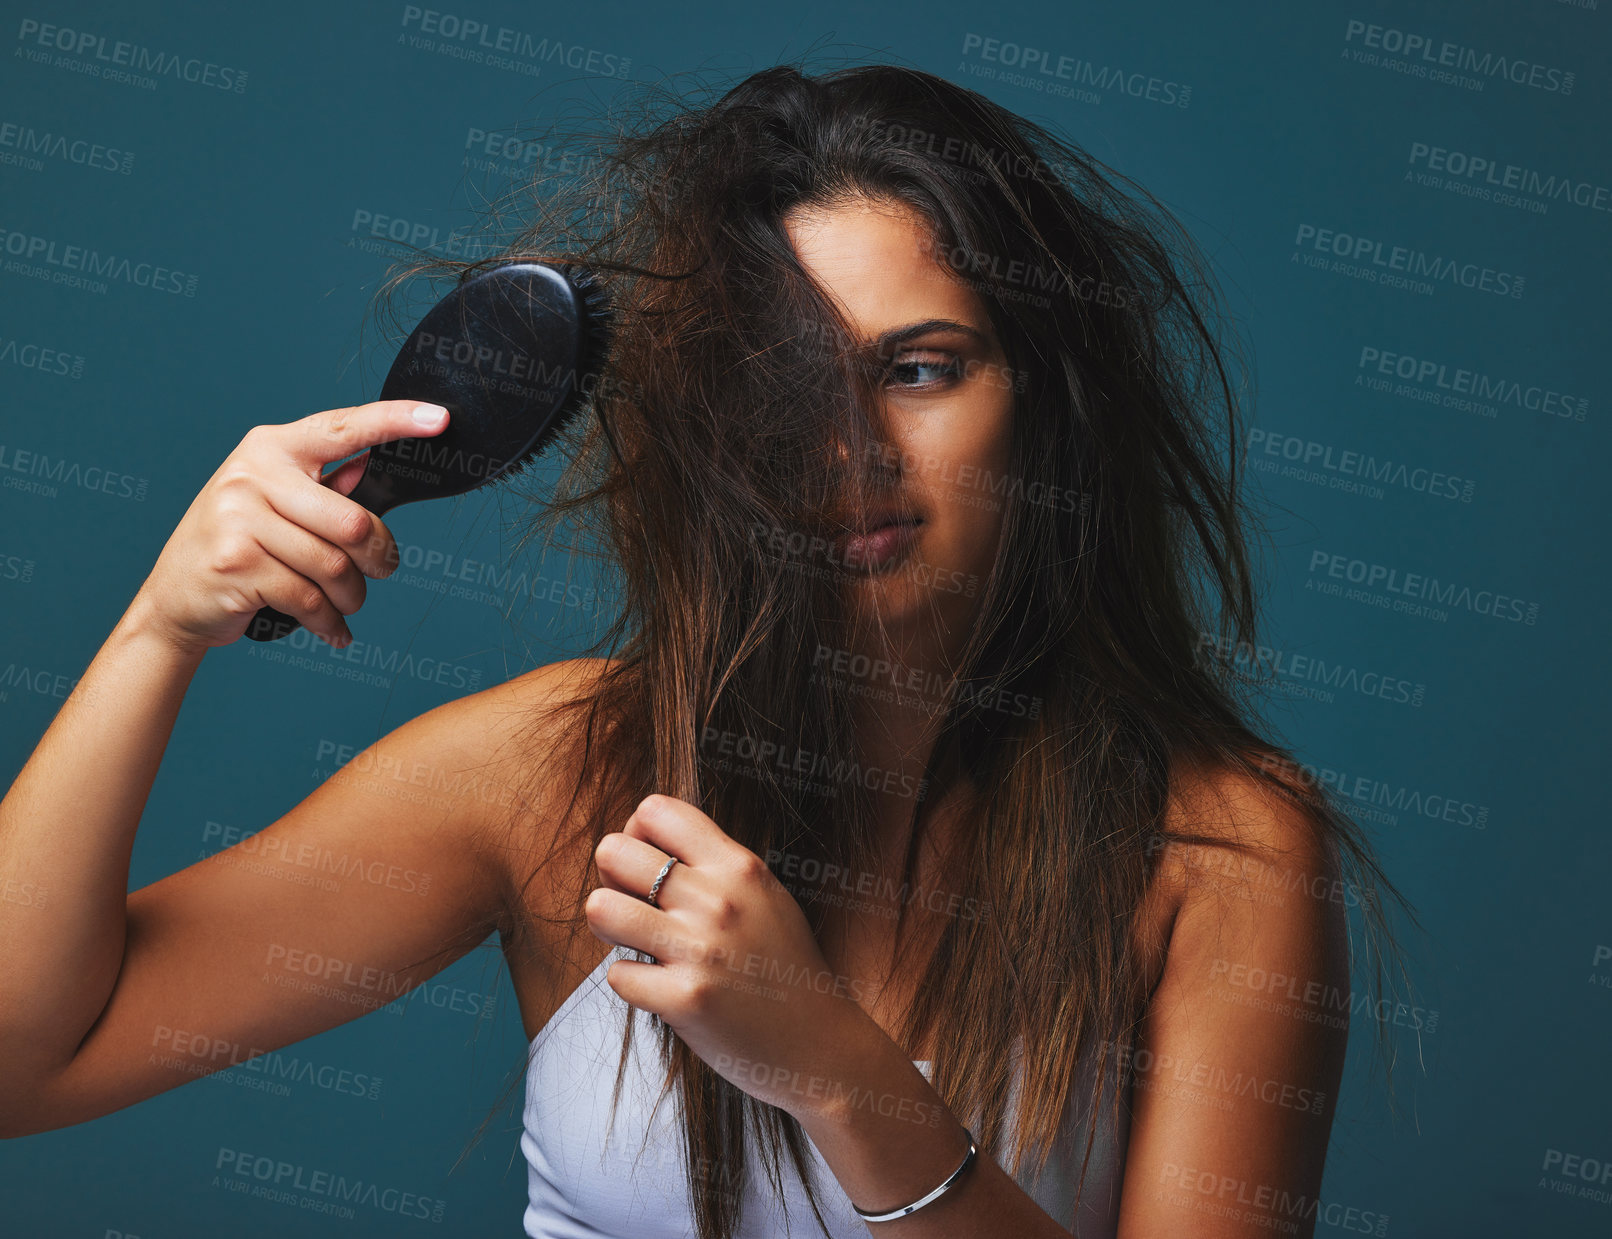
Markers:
point(925, 369)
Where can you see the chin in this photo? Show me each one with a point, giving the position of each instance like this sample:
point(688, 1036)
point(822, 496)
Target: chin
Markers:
point(917, 592)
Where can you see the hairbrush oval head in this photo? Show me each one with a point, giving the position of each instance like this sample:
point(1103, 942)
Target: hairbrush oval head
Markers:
point(512, 352)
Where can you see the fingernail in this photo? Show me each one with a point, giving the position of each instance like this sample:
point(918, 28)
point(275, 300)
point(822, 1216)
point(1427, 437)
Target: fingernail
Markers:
point(429, 414)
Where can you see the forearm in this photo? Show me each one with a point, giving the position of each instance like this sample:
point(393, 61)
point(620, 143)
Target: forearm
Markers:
point(66, 832)
point(890, 1139)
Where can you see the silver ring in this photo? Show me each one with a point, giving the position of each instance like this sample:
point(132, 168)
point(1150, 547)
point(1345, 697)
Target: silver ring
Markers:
point(659, 878)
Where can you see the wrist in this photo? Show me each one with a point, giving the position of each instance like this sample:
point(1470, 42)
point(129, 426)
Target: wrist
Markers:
point(142, 626)
point(886, 1134)
point(852, 1045)
point(894, 1213)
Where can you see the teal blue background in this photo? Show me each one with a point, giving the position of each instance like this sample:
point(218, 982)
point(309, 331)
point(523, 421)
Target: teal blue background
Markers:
point(255, 193)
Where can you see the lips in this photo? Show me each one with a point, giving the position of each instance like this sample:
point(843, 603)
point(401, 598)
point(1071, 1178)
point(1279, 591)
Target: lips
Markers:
point(885, 540)
point(878, 520)
point(874, 513)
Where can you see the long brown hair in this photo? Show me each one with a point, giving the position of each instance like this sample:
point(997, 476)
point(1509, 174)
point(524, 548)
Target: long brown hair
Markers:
point(703, 477)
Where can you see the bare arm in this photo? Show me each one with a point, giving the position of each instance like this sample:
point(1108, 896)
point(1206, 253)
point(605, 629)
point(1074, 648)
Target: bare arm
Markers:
point(91, 975)
point(354, 897)
point(66, 832)
point(1242, 1046)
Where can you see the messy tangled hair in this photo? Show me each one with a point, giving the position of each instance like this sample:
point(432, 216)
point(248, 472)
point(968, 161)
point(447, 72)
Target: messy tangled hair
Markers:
point(731, 391)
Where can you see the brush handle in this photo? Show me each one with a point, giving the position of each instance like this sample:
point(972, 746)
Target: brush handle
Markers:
point(270, 623)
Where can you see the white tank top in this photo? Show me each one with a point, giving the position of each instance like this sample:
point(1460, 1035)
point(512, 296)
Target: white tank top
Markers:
point(631, 1183)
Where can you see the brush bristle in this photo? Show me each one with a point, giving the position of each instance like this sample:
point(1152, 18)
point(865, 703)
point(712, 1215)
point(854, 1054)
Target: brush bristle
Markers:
point(598, 321)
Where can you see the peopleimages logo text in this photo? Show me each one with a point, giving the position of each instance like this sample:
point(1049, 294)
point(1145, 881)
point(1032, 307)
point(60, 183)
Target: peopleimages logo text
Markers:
point(23, 141)
point(1458, 380)
point(1423, 588)
point(293, 1183)
point(1043, 63)
point(512, 42)
point(1409, 262)
point(1496, 175)
point(1444, 54)
point(133, 56)
point(30, 248)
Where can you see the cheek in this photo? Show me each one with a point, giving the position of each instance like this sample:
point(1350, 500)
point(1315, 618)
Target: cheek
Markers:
point(964, 465)
point(975, 436)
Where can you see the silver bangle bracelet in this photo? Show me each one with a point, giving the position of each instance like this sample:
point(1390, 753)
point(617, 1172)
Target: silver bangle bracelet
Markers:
point(951, 1180)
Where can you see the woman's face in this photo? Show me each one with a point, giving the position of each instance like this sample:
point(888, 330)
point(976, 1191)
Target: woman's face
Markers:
point(942, 476)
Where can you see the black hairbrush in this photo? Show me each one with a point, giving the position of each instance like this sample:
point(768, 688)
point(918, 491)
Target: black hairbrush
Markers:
point(512, 353)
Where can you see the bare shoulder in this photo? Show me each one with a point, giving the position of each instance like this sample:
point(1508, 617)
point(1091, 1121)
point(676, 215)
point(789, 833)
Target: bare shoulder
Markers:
point(493, 709)
point(507, 732)
point(480, 773)
point(531, 828)
point(1238, 829)
point(498, 754)
point(1247, 871)
point(1253, 989)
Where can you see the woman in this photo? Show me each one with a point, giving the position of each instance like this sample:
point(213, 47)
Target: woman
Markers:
point(904, 804)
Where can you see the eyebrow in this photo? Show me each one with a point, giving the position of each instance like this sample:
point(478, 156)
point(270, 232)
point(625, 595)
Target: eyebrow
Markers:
point(900, 335)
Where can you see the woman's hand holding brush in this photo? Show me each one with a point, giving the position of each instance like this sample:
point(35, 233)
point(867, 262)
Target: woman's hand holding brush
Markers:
point(271, 528)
